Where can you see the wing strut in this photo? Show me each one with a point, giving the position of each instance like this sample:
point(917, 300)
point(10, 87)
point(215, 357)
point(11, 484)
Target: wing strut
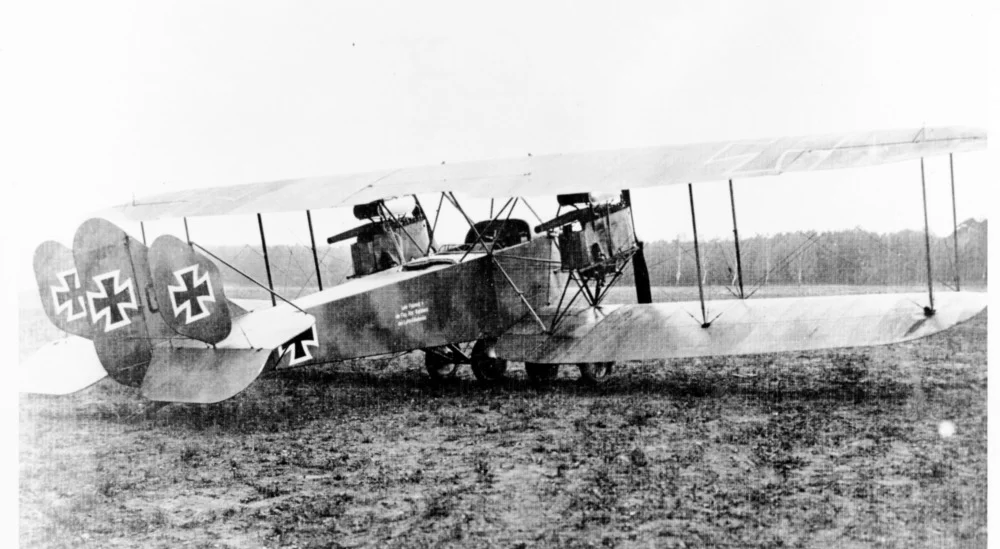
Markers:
point(437, 215)
point(954, 218)
point(312, 241)
point(427, 223)
point(267, 262)
point(697, 260)
point(736, 239)
point(929, 310)
point(512, 203)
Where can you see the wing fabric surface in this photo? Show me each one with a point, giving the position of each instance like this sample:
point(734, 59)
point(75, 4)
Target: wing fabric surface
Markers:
point(742, 327)
point(62, 367)
point(599, 171)
point(191, 371)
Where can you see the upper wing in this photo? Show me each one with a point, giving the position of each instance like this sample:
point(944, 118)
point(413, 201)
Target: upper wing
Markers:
point(599, 171)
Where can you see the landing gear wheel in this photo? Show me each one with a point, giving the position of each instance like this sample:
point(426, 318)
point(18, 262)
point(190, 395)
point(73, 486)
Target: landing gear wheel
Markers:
point(439, 367)
point(485, 364)
point(595, 373)
point(540, 373)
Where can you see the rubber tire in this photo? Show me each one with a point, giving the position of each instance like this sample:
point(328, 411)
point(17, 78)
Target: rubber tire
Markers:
point(541, 373)
point(595, 373)
point(485, 364)
point(438, 367)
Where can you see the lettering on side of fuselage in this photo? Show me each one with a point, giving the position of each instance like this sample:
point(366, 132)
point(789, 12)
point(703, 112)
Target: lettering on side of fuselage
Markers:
point(412, 313)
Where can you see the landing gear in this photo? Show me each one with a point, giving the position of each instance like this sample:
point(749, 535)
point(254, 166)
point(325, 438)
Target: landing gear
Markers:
point(439, 367)
point(442, 362)
point(486, 366)
point(595, 373)
point(540, 373)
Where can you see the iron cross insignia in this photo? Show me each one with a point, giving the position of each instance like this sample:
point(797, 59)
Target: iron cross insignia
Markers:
point(299, 346)
point(112, 300)
point(192, 294)
point(69, 297)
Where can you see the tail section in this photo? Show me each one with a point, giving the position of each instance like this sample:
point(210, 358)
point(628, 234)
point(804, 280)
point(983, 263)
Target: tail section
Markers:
point(114, 274)
point(189, 287)
point(61, 289)
point(149, 314)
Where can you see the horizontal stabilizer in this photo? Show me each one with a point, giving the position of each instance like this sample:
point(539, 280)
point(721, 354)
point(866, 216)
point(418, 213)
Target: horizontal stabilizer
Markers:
point(201, 376)
point(191, 371)
point(61, 367)
point(267, 328)
point(740, 327)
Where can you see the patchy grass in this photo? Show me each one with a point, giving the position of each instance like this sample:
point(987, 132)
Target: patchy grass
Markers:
point(837, 448)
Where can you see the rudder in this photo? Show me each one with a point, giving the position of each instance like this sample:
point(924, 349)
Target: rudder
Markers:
point(189, 289)
point(61, 289)
point(114, 273)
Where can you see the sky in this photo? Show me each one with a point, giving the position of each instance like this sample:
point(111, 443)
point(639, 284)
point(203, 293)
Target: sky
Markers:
point(112, 101)
point(115, 100)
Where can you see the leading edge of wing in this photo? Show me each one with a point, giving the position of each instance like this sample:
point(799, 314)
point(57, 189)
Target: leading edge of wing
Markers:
point(595, 171)
point(622, 333)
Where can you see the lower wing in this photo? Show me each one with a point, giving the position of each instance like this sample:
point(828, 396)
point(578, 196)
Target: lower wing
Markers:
point(618, 333)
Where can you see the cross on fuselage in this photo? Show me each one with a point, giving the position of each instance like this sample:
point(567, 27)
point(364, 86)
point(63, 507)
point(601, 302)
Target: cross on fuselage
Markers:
point(190, 293)
point(299, 345)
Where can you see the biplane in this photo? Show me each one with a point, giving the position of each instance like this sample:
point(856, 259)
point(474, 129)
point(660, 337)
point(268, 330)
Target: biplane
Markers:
point(157, 317)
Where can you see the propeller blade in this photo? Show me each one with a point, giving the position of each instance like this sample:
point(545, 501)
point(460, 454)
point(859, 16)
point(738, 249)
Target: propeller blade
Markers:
point(643, 291)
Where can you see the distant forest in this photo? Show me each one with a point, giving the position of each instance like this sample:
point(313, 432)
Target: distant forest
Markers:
point(854, 257)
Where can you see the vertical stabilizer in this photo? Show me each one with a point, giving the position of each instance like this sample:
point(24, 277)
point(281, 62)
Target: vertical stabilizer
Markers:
point(114, 274)
point(189, 291)
point(60, 287)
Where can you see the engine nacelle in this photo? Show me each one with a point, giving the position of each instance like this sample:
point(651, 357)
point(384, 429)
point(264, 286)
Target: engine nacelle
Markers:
point(594, 235)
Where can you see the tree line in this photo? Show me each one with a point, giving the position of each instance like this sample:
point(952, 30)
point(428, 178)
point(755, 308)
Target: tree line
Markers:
point(856, 257)
point(833, 257)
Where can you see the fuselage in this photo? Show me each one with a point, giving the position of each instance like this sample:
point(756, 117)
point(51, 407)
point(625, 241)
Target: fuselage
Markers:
point(401, 310)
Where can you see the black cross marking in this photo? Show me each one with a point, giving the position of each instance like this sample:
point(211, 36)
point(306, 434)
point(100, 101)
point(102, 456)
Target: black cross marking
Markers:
point(112, 302)
point(70, 296)
point(190, 293)
point(299, 345)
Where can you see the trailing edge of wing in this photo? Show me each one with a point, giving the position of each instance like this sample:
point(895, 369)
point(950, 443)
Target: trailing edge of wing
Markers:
point(742, 327)
point(599, 171)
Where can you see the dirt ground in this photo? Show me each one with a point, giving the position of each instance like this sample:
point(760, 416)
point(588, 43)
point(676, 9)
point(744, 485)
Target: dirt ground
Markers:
point(822, 449)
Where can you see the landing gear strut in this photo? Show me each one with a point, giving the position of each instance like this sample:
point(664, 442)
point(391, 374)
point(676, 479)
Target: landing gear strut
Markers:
point(442, 362)
point(439, 367)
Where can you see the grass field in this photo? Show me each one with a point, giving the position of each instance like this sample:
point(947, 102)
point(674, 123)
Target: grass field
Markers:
point(821, 449)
